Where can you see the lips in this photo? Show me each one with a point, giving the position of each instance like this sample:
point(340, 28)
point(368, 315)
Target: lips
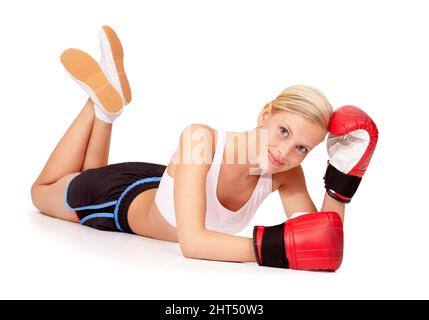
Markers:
point(274, 160)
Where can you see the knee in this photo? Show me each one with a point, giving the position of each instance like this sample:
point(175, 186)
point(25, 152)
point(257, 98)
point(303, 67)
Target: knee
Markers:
point(35, 195)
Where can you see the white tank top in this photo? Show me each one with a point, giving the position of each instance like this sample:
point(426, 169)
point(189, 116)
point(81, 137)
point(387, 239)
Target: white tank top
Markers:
point(218, 218)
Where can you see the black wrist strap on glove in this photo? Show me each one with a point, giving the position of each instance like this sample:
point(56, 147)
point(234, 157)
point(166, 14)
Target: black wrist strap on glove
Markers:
point(273, 252)
point(340, 183)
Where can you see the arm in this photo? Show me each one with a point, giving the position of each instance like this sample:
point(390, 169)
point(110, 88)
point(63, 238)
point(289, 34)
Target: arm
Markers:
point(315, 241)
point(293, 193)
point(295, 198)
point(212, 245)
point(351, 142)
point(190, 205)
point(330, 204)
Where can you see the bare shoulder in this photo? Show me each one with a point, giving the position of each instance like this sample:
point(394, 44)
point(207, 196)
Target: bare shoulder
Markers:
point(195, 135)
point(201, 130)
point(198, 135)
point(289, 179)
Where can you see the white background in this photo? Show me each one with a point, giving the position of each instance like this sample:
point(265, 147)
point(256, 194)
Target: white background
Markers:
point(216, 62)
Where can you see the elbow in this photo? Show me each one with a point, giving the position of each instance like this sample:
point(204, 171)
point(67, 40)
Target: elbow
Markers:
point(192, 246)
point(186, 253)
point(35, 197)
point(187, 249)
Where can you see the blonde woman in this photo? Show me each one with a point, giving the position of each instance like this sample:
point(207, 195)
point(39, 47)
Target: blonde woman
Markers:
point(215, 180)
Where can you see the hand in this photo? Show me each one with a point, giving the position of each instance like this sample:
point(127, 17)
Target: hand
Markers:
point(313, 241)
point(351, 142)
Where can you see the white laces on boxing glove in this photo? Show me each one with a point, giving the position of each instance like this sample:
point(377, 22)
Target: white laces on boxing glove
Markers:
point(346, 151)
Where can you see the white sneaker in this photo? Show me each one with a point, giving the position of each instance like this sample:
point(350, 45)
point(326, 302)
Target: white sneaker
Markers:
point(87, 73)
point(112, 62)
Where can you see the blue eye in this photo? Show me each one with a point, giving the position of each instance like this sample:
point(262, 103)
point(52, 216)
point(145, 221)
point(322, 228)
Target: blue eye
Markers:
point(284, 130)
point(302, 149)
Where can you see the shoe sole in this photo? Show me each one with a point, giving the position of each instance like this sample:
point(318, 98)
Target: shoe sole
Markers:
point(86, 71)
point(118, 58)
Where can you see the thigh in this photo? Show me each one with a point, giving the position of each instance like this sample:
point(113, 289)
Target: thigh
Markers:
point(49, 199)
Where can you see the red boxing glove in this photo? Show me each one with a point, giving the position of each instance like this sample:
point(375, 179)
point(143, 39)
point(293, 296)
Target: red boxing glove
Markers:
point(312, 241)
point(351, 142)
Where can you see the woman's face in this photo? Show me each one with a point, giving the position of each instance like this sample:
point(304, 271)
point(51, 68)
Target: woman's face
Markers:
point(290, 138)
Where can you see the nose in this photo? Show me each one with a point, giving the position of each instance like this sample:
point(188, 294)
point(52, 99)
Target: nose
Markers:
point(285, 151)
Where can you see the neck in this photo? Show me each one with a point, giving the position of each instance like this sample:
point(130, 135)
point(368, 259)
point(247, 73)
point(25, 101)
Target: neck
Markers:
point(242, 152)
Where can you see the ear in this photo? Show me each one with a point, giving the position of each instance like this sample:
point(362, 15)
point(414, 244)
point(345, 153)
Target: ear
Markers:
point(265, 113)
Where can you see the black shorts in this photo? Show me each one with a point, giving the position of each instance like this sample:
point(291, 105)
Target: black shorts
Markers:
point(101, 197)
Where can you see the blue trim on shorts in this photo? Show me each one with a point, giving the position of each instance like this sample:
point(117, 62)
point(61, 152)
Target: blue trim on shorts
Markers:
point(97, 206)
point(116, 203)
point(96, 215)
point(138, 182)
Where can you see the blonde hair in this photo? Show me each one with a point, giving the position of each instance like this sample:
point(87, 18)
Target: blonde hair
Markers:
point(305, 101)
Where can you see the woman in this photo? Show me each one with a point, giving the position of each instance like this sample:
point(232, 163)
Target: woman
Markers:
point(212, 186)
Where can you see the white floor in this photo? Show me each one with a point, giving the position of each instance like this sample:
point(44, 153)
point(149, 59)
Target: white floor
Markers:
point(43, 258)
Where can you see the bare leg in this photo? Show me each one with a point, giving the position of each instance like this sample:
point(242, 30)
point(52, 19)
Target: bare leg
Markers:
point(85, 145)
point(69, 154)
point(97, 153)
point(67, 159)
